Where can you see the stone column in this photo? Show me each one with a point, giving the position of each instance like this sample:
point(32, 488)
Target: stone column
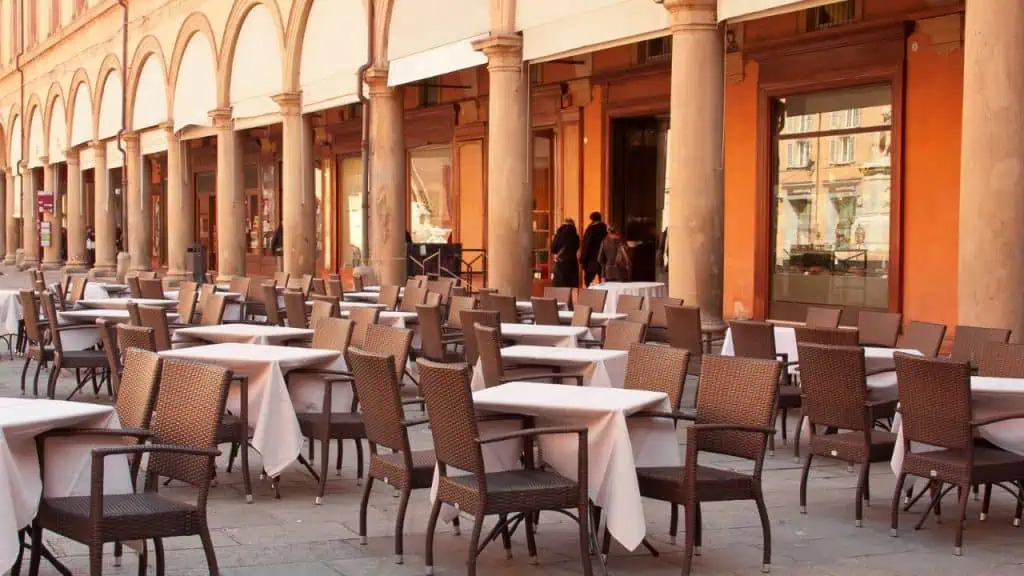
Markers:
point(181, 215)
point(509, 197)
point(30, 215)
point(230, 202)
point(4, 193)
point(298, 198)
point(138, 205)
point(78, 260)
point(388, 204)
point(52, 258)
point(695, 229)
point(10, 226)
point(991, 237)
point(106, 227)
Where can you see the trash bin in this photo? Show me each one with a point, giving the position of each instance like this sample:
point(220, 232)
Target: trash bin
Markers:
point(196, 262)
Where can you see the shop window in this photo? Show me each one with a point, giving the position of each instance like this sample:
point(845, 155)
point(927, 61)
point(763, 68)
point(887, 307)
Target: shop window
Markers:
point(830, 15)
point(352, 196)
point(543, 201)
point(430, 195)
point(431, 91)
point(655, 50)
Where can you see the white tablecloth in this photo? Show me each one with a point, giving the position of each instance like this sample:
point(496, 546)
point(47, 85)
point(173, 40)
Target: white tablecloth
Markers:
point(10, 311)
point(601, 368)
point(68, 463)
point(122, 303)
point(243, 334)
point(646, 289)
point(351, 305)
point(596, 318)
point(91, 316)
point(392, 318)
point(365, 296)
point(540, 335)
point(271, 415)
point(109, 289)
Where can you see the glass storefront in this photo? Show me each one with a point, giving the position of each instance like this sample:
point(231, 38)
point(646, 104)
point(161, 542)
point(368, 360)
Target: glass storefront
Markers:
point(430, 195)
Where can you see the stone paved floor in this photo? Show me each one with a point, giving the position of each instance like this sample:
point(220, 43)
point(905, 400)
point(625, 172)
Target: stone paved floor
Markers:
point(292, 535)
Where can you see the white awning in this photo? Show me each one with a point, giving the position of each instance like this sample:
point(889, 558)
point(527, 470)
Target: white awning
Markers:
point(86, 158)
point(428, 39)
point(332, 51)
point(740, 10)
point(448, 58)
point(152, 141)
point(114, 158)
point(559, 29)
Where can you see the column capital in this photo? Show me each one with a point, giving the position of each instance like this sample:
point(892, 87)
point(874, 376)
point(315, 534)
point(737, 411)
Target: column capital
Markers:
point(44, 160)
point(290, 103)
point(377, 78)
point(504, 52)
point(71, 155)
point(98, 148)
point(692, 14)
point(130, 137)
point(221, 118)
point(167, 126)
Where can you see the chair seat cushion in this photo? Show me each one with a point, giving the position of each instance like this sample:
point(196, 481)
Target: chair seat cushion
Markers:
point(713, 484)
point(850, 447)
point(342, 424)
point(789, 397)
point(126, 516)
point(990, 465)
point(512, 491)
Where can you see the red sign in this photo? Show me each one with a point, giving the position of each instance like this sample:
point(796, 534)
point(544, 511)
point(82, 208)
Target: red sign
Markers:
point(44, 202)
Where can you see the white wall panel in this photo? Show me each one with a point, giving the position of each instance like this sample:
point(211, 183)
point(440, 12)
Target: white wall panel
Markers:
point(114, 159)
point(36, 141)
point(57, 140)
point(739, 10)
point(152, 141)
point(86, 158)
point(195, 91)
point(150, 106)
point(426, 40)
point(256, 67)
point(333, 49)
point(81, 120)
point(111, 104)
point(15, 149)
point(557, 29)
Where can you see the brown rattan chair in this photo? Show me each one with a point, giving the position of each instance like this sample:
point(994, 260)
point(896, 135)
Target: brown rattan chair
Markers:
point(434, 343)
point(387, 427)
point(155, 318)
point(441, 287)
point(822, 317)
point(925, 337)
point(318, 287)
point(134, 317)
point(470, 319)
point(432, 299)
point(362, 319)
point(333, 287)
point(626, 303)
point(641, 317)
point(752, 339)
point(488, 342)
point(411, 298)
point(735, 409)
point(836, 395)
point(78, 286)
point(108, 339)
point(592, 297)
point(204, 292)
point(212, 310)
point(187, 292)
point(357, 282)
point(252, 300)
point(455, 307)
point(295, 309)
point(190, 403)
point(389, 342)
point(657, 369)
point(657, 331)
point(281, 279)
point(545, 311)
point(388, 297)
point(684, 331)
point(827, 336)
point(505, 306)
point(92, 361)
point(581, 314)
point(38, 347)
point(935, 402)
point(968, 342)
point(240, 285)
point(152, 288)
point(134, 287)
point(561, 294)
point(1001, 360)
point(458, 443)
point(270, 305)
point(621, 334)
point(879, 328)
point(322, 310)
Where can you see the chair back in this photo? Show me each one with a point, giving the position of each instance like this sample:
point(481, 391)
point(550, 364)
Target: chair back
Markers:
point(581, 314)
point(62, 303)
point(414, 282)
point(431, 337)
point(969, 340)
point(156, 318)
point(925, 337)
point(141, 337)
point(488, 344)
point(1001, 360)
point(879, 328)
point(627, 303)
point(212, 310)
point(333, 287)
point(134, 287)
point(658, 369)
point(295, 309)
point(189, 409)
point(505, 306)
point(389, 342)
point(318, 287)
point(441, 287)
point(333, 334)
point(545, 311)
point(306, 284)
point(684, 329)
point(935, 401)
point(828, 336)
point(240, 285)
point(30, 313)
point(561, 294)
point(133, 313)
point(735, 391)
point(388, 297)
point(621, 334)
point(470, 319)
point(357, 282)
point(412, 297)
point(108, 338)
point(449, 402)
point(753, 339)
point(186, 302)
point(270, 304)
point(380, 401)
point(78, 285)
point(205, 291)
point(455, 307)
point(592, 297)
point(281, 279)
point(822, 317)
point(834, 385)
point(147, 274)
point(432, 299)
point(659, 319)
point(362, 319)
point(640, 316)
point(152, 288)
point(137, 391)
point(322, 310)
point(50, 310)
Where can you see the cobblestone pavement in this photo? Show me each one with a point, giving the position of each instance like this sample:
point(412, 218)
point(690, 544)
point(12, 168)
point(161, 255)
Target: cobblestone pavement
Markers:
point(292, 535)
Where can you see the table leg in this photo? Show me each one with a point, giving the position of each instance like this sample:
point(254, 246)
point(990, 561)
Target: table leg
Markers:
point(46, 554)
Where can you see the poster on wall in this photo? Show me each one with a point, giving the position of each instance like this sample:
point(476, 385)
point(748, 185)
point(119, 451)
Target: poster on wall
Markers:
point(44, 234)
point(44, 202)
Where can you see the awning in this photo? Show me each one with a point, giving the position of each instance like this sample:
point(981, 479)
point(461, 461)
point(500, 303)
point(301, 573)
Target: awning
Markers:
point(441, 60)
point(740, 10)
point(428, 39)
point(559, 29)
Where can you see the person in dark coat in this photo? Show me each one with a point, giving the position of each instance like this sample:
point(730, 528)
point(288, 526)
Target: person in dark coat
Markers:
point(592, 239)
point(616, 265)
point(563, 250)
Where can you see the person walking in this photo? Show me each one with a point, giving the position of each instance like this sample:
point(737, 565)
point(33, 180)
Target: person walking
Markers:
point(564, 247)
point(614, 258)
point(592, 239)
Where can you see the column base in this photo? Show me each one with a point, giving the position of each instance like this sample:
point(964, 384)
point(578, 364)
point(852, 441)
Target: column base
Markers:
point(103, 271)
point(52, 265)
point(75, 268)
point(10, 259)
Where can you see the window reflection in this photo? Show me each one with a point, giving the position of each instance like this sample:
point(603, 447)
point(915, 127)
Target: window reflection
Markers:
point(430, 195)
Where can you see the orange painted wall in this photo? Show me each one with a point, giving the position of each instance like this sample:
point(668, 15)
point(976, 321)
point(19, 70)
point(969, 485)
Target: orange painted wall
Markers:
point(593, 153)
point(931, 183)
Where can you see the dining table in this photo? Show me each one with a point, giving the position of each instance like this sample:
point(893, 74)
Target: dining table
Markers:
point(542, 335)
point(122, 303)
point(90, 316)
point(243, 334)
point(615, 289)
point(600, 368)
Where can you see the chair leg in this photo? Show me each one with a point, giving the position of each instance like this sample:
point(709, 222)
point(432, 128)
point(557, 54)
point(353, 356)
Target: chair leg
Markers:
point(474, 543)
point(688, 536)
point(506, 536)
point(895, 519)
point(785, 419)
point(341, 452)
point(797, 434)
point(673, 523)
point(697, 531)
point(766, 531)
point(35, 379)
point(861, 481)
point(325, 462)
point(771, 439)
point(359, 461)
point(803, 484)
point(211, 553)
point(531, 542)
point(428, 553)
point(118, 553)
point(37, 549)
point(584, 525)
point(1020, 503)
point(400, 524)
point(312, 451)
point(243, 447)
point(96, 559)
point(232, 456)
point(985, 502)
point(24, 373)
point(362, 510)
point(51, 384)
point(958, 545)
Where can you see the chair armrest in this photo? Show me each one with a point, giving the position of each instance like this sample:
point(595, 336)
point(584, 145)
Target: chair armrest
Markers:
point(138, 433)
point(997, 417)
point(730, 428)
point(70, 327)
point(688, 415)
point(531, 432)
point(329, 375)
point(530, 376)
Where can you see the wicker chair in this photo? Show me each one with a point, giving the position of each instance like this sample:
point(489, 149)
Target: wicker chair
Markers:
point(388, 297)
point(281, 279)
point(252, 300)
point(827, 336)
point(295, 309)
point(836, 395)
point(545, 311)
point(968, 342)
point(108, 338)
point(387, 427)
point(333, 287)
point(441, 287)
point(657, 369)
point(38, 346)
point(204, 292)
point(657, 331)
point(581, 314)
point(592, 297)
point(187, 302)
point(488, 342)
point(389, 341)
point(561, 294)
point(879, 328)
point(212, 310)
point(362, 319)
point(432, 299)
point(455, 307)
point(357, 282)
point(684, 331)
point(627, 303)
point(411, 298)
point(240, 285)
point(91, 360)
point(756, 340)
point(152, 288)
point(621, 334)
point(470, 319)
point(134, 317)
point(270, 306)
point(134, 287)
point(641, 317)
point(319, 287)
point(415, 282)
point(190, 403)
point(924, 337)
point(322, 310)
point(735, 409)
point(434, 343)
point(1001, 360)
point(822, 317)
point(78, 286)
point(458, 443)
point(935, 402)
point(505, 306)
point(155, 318)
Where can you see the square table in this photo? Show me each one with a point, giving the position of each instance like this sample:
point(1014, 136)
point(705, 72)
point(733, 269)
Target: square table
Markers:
point(646, 289)
point(243, 334)
point(10, 311)
point(601, 368)
point(91, 316)
point(541, 335)
point(276, 434)
point(351, 305)
point(617, 446)
point(68, 466)
point(392, 318)
point(597, 319)
point(364, 296)
point(526, 306)
point(122, 303)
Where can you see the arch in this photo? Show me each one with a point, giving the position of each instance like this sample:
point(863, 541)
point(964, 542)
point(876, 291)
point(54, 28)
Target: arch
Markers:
point(109, 101)
point(232, 31)
point(55, 124)
point(148, 77)
point(81, 119)
point(35, 143)
point(328, 52)
point(202, 69)
point(15, 139)
point(3, 148)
